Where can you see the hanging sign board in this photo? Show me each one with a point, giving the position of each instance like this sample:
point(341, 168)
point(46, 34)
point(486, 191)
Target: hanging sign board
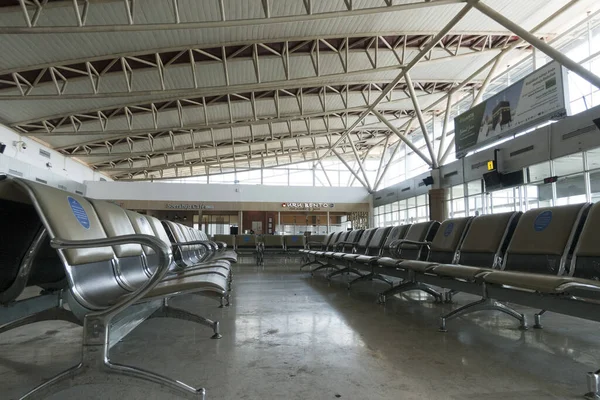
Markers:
point(537, 98)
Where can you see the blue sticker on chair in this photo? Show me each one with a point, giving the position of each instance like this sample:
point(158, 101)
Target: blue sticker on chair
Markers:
point(542, 221)
point(449, 229)
point(79, 212)
point(246, 238)
point(294, 238)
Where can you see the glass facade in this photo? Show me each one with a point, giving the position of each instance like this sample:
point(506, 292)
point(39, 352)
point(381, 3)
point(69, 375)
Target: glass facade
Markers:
point(408, 211)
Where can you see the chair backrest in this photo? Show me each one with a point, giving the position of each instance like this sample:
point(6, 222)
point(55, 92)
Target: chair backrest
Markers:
point(245, 241)
point(294, 241)
point(586, 258)
point(351, 239)
point(377, 240)
point(129, 262)
point(420, 232)
point(396, 232)
point(273, 242)
point(327, 239)
point(487, 239)
point(544, 239)
point(363, 244)
point(229, 240)
point(71, 217)
point(26, 258)
point(342, 237)
point(447, 240)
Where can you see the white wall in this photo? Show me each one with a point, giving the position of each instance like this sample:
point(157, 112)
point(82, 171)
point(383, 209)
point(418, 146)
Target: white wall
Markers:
point(233, 193)
point(64, 171)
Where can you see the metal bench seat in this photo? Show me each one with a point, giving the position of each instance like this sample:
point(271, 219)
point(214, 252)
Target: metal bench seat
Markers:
point(313, 246)
point(414, 246)
point(105, 279)
point(190, 253)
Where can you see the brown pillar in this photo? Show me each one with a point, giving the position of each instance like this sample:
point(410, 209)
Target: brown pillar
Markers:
point(437, 205)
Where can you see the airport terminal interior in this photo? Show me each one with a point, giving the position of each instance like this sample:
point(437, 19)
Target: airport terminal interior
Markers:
point(300, 199)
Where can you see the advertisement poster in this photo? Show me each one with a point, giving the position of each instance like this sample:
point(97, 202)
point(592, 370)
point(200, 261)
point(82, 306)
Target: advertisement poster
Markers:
point(537, 98)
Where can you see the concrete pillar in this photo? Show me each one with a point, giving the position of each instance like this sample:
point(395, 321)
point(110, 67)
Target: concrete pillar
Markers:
point(328, 221)
point(240, 222)
point(437, 205)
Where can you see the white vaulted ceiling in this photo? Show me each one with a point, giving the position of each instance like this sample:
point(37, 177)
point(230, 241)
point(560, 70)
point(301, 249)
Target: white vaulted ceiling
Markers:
point(163, 88)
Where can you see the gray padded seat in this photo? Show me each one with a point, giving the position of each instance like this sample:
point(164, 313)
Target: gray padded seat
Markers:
point(483, 246)
point(361, 247)
point(539, 246)
point(345, 246)
point(444, 245)
point(325, 245)
point(273, 243)
point(380, 243)
point(333, 244)
point(421, 232)
point(245, 242)
point(294, 242)
point(316, 242)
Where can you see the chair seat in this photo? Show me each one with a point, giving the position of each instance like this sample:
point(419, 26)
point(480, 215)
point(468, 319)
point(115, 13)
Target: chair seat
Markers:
point(209, 282)
point(229, 255)
point(538, 282)
point(350, 257)
point(459, 271)
point(367, 259)
point(338, 255)
point(418, 266)
point(328, 254)
point(317, 253)
point(389, 262)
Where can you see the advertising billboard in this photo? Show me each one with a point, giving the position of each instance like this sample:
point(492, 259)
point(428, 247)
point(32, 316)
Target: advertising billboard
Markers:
point(539, 97)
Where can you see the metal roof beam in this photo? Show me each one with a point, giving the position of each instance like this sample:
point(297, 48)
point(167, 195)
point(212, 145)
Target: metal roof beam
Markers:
point(31, 27)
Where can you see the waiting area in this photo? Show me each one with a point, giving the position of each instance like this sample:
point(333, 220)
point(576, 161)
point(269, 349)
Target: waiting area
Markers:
point(299, 199)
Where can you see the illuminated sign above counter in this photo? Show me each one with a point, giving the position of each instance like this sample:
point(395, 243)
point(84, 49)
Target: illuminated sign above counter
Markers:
point(184, 206)
point(297, 206)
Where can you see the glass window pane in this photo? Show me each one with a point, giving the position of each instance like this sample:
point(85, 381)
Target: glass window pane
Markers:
point(570, 190)
point(595, 185)
point(539, 171)
point(568, 165)
point(593, 159)
point(411, 202)
point(458, 191)
point(422, 200)
point(474, 187)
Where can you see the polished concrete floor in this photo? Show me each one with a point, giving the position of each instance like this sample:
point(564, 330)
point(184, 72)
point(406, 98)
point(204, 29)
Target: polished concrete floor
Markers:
point(290, 336)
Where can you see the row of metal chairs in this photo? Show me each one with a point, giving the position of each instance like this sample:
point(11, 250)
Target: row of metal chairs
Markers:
point(102, 267)
point(259, 245)
point(545, 258)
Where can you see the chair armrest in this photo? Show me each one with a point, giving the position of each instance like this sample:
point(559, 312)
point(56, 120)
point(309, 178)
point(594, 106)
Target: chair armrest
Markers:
point(396, 244)
point(221, 245)
point(165, 257)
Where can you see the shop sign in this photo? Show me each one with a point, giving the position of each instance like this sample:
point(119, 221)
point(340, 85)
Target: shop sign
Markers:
point(307, 205)
point(183, 206)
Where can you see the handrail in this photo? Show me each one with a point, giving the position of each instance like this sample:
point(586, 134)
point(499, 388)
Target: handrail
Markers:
point(163, 251)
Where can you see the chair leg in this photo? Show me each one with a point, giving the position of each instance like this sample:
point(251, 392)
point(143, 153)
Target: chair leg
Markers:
point(323, 266)
point(344, 270)
point(593, 384)
point(408, 286)
point(95, 367)
point(365, 277)
point(94, 372)
point(166, 311)
point(484, 304)
point(538, 320)
point(51, 314)
point(309, 263)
